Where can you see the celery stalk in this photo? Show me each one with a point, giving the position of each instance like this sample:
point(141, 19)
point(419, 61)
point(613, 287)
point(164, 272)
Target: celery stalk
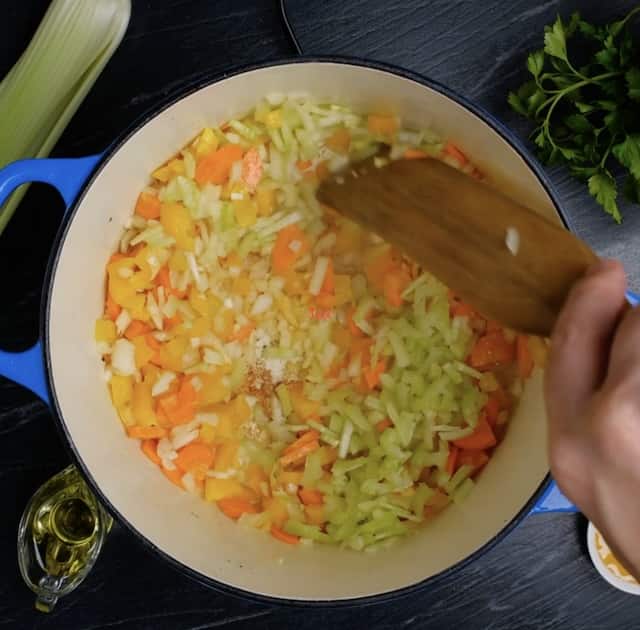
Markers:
point(42, 92)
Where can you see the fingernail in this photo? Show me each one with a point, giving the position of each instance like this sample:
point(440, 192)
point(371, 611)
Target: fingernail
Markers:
point(603, 265)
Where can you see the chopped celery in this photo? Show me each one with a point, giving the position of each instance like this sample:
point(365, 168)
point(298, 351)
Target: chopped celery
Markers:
point(312, 470)
point(311, 532)
point(463, 491)
point(285, 401)
point(459, 476)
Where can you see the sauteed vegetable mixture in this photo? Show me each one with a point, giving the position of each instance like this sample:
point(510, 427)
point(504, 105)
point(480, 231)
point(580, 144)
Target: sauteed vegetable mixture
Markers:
point(277, 360)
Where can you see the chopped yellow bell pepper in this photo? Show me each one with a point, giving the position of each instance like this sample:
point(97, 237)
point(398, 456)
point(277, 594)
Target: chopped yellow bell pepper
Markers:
point(241, 284)
point(216, 489)
point(176, 221)
point(246, 212)
point(121, 389)
point(207, 433)
point(213, 389)
point(277, 510)
point(256, 478)
point(126, 415)
point(150, 373)
point(143, 352)
point(142, 405)
point(105, 331)
point(273, 119)
point(236, 187)
point(172, 353)
point(206, 142)
point(226, 452)
point(178, 261)
point(265, 199)
point(198, 302)
point(223, 323)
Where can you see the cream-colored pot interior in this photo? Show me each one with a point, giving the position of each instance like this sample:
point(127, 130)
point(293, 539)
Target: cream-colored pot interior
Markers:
point(187, 529)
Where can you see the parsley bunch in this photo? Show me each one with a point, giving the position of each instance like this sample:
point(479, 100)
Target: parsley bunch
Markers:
point(587, 108)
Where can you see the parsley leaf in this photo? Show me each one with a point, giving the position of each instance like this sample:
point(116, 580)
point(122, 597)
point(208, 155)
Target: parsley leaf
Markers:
point(554, 40)
point(633, 83)
point(603, 187)
point(628, 154)
point(586, 115)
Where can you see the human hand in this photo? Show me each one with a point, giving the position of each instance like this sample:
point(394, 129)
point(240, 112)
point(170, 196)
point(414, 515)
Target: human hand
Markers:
point(593, 405)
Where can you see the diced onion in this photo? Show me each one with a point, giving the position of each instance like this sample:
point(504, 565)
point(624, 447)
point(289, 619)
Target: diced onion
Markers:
point(317, 277)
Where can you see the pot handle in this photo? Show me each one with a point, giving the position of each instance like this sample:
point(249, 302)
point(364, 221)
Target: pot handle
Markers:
point(68, 175)
point(552, 500)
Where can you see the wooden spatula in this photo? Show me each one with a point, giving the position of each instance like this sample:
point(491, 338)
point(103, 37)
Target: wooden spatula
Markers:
point(457, 228)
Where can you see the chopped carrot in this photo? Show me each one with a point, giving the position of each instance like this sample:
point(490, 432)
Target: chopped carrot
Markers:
point(458, 308)
point(149, 448)
point(483, 437)
point(382, 125)
point(394, 284)
point(112, 309)
point(282, 536)
point(243, 332)
point(310, 496)
point(372, 374)
point(524, 357)
point(251, 168)
point(452, 150)
point(115, 257)
point(137, 328)
point(307, 436)
point(476, 459)
point(361, 347)
point(170, 322)
point(195, 457)
point(414, 154)
point(329, 282)
point(148, 206)
point(146, 433)
point(303, 165)
point(326, 300)
point(235, 507)
point(155, 345)
point(291, 243)
point(490, 350)
point(216, 166)
point(299, 454)
point(353, 328)
point(452, 459)
point(383, 425)
point(152, 342)
point(163, 278)
point(174, 476)
point(179, 407)
point(339, 141)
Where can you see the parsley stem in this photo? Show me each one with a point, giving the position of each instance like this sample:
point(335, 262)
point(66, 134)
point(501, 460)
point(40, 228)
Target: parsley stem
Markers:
point(575, 86)
point(558, 97)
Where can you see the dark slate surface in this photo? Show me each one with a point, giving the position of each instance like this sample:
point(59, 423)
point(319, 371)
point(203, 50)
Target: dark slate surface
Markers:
point(540, 576)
